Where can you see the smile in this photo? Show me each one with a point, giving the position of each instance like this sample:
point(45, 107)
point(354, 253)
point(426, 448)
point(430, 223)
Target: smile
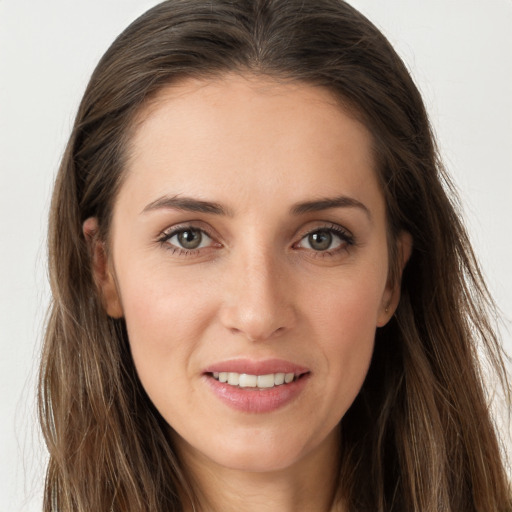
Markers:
point(256, 386)
point(244, 380)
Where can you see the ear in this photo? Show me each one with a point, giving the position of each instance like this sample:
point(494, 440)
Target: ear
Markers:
point(102, 273)
point(391, 296)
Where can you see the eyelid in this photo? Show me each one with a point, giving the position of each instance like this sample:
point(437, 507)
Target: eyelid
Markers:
point(341, 232)
point(194, 224)
point(327, 226)
point(204, 242)
point(347, 238)
point(168, 233)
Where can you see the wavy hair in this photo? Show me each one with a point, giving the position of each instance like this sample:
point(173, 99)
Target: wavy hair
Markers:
point(419, 436)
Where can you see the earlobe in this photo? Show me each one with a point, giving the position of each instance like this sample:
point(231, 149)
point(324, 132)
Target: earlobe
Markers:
point(391, 296)
point(102, 273)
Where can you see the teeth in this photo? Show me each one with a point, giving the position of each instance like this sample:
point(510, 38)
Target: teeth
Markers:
point(248, 381)
point(245, 380)
point(233, 379)
point(266, 381)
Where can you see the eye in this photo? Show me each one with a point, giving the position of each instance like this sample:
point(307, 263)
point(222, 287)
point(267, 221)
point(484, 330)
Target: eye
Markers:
point(188, 239)
point(326, 239)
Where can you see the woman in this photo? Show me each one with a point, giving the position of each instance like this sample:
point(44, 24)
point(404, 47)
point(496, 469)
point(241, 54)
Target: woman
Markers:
point(263, 295)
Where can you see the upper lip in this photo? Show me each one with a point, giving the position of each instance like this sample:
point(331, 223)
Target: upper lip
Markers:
point(253, 367)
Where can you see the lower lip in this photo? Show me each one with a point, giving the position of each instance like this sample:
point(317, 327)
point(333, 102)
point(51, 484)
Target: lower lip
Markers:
point(254, 399)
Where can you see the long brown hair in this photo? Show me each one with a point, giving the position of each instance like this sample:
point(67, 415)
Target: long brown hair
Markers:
point(419, 436)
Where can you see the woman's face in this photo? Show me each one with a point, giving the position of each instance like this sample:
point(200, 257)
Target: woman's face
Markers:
point(249, 243)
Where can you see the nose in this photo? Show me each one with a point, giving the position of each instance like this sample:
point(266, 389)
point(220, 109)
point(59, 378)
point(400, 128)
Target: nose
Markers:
point(258, 296)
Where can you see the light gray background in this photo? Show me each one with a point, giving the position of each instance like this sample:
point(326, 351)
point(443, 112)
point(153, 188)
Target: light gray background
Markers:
point(459, 51)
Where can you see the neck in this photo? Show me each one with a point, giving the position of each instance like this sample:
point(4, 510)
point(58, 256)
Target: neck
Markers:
point(309, 485)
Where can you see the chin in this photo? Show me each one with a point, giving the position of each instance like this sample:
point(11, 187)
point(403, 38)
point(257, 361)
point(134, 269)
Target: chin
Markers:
point(265, 450)
point(258, 460)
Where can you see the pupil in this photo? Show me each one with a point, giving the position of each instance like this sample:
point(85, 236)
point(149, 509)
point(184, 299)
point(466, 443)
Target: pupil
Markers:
point(320, 241)
point(190, 239)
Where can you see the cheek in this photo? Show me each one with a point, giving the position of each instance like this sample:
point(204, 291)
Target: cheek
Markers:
point(348, 305)
point(344, 319)
point(164, 318)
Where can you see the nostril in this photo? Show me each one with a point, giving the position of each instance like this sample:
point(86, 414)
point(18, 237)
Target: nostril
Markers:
point(256, 335)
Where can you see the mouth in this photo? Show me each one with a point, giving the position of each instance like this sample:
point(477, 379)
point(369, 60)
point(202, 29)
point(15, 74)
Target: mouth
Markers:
point(246, 380)
point(257, 387)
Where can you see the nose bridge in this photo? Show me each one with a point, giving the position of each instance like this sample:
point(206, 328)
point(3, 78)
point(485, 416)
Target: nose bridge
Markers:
point(258, 303)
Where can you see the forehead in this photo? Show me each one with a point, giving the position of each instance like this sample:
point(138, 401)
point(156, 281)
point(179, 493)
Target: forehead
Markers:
point(252, 134)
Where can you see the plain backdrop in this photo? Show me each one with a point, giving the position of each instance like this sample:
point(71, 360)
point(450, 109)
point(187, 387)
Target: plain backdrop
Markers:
point(459, 52)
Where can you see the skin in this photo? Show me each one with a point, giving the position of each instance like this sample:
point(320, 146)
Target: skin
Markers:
point(256, 288)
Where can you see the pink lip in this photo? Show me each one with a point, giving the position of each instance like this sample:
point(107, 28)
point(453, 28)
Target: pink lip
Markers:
point(253, 400)
point(252, 367)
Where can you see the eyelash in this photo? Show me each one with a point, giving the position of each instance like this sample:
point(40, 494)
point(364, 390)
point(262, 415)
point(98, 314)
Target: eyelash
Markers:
point(347, 240)
point(164, 238)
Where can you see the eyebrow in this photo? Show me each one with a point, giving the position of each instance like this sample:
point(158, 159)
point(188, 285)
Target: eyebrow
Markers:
point(197, 205)
point(328, 203)
point(187, 204)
